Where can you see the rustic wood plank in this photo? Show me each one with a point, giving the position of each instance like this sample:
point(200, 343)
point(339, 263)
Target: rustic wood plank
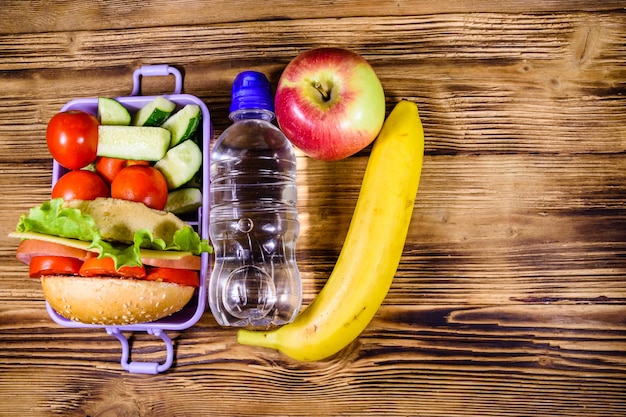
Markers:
point(72, 16)
point(490, 220)
point(532, 357)
point(544, 72)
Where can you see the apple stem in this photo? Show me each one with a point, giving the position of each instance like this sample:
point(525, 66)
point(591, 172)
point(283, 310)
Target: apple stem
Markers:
point(323, 92)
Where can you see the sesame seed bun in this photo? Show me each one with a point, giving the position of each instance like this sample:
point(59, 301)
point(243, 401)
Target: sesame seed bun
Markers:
point(113, 301)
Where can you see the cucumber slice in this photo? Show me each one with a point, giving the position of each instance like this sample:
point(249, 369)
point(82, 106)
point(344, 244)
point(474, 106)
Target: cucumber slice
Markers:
point(154, 113)
point(183, 200)
point(133, 142)
point(180, 163)
point(112, 112)
point(183, 123)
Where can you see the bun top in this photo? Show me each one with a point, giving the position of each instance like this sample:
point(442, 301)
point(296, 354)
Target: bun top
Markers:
point(117, 219)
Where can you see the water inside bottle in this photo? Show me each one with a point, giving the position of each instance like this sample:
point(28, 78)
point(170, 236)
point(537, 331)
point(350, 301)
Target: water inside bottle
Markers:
point(253, 229)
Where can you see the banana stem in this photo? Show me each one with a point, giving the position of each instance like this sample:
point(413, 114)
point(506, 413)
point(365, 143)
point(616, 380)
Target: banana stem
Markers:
point(257, 338)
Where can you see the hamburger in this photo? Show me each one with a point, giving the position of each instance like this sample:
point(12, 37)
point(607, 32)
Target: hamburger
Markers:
point(110, 261)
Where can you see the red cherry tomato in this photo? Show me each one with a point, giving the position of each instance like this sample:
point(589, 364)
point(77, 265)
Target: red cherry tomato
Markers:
point(141, 183)
point(53, 265)
point(108, 168)
point(95, 267)
point(80, 185)
point(72, 138)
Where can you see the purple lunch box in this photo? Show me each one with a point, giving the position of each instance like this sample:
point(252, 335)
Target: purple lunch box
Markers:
point(194, 310)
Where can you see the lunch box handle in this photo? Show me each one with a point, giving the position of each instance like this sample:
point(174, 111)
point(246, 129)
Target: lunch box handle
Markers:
point(144, 367)
point(162, 70)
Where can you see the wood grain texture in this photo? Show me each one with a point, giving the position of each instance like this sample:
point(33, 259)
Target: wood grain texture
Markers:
point(510, 299)
point(68, 15)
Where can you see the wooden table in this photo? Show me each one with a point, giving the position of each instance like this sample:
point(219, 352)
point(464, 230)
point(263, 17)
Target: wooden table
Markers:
point(510, 298)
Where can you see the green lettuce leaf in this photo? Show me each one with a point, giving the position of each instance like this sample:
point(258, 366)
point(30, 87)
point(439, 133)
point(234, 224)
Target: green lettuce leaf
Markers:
point(186, 239)
point(52, 218)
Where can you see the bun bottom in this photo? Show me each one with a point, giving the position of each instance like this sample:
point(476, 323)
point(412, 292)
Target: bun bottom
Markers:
point(113, 301)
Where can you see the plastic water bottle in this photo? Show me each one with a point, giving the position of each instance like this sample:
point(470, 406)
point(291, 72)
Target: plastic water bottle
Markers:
point(253, 219)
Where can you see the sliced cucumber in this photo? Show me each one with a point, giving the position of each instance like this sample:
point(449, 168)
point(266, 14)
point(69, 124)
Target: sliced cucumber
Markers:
point(112, 112)
point(154, 113)
point(180, 163)
point(183, 123)
point(183, 200)
point(133, 142)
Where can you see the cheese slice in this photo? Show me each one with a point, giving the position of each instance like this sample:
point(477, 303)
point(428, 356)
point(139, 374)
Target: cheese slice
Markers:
point(80, 244)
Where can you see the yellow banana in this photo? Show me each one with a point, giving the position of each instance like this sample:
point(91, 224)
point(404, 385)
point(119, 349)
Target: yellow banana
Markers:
point(371, 252)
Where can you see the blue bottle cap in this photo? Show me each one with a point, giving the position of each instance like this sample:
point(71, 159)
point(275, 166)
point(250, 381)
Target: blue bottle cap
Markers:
point(251, 90)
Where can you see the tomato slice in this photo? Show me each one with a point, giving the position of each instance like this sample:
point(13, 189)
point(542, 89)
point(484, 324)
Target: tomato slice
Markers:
point(30, 248)
point(54, 265)
point(174, 275)
point(94, 267)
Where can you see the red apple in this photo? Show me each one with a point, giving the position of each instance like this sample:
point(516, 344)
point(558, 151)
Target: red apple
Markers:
point(330, 103)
